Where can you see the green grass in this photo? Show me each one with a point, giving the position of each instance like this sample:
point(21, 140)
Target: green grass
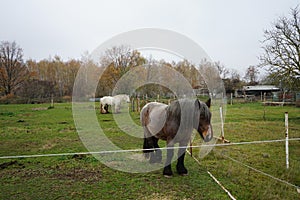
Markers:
point(245, 122)
point(28, 130)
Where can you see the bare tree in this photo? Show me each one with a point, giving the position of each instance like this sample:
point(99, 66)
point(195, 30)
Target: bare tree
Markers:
point(117, 61)
point(211, 74)
point(190, 72)
point(222, 70)
point(122, 57)
point(282, 48)
point(251, 75)
point(13, 71)
point(234, 74)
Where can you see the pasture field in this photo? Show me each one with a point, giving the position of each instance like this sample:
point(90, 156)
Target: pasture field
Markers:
point(34, 129)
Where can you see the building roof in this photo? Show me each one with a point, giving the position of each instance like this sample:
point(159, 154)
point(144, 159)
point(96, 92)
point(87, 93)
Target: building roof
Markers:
point(261, 88)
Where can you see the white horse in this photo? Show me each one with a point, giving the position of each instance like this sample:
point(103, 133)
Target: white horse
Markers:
point(123, 98)
point(113, 101)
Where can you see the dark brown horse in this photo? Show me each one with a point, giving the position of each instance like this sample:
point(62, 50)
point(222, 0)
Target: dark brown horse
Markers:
point(174, 123)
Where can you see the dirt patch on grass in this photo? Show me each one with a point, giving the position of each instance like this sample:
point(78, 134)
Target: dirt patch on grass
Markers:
point(158, 196)
point(75, 174)
point(40, 108)
point(138, 157)
point(92, 175)
point(7, 164)
point(48, 146)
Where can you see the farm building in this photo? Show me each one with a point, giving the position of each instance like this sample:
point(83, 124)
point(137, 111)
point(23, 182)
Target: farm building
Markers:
point(272, 92)
point(258, 90)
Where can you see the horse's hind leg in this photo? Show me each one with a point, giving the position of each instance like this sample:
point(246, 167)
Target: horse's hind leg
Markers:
point(180, 161)
point(156, 156)
point(148, 145)
point(167, 169)
point(106, 108)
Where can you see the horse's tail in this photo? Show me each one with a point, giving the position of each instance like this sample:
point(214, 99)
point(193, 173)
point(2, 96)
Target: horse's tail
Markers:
point(148, 139)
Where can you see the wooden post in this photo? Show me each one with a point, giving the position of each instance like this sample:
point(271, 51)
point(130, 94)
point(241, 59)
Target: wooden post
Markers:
point(138, 105)
point(132, 104)
point(222, 124)
point(231, 96)
point(222, 128)
point(264, 117)
point(52, 102)
point(191, 149)
point(287, 139)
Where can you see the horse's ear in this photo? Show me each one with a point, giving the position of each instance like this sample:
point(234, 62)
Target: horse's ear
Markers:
point(208, 102)
point(197, 104)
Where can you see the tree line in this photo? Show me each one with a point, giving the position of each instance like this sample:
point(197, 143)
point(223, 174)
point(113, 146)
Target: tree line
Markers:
point(39, 81)
point(32, 80)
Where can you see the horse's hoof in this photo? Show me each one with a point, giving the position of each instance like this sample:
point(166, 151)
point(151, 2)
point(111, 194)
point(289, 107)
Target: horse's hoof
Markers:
point(185, 174)
point(181, 170)
point(168, 176)
point(168, 173)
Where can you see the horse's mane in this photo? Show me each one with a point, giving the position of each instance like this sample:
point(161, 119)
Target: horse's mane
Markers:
point(204, 110)
point(182, 112)
point(187, 111)
point(174, 111)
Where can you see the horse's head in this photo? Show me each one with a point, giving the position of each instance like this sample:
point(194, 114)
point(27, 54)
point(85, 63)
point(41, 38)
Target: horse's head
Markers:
point(203, 122)
point(127, 99)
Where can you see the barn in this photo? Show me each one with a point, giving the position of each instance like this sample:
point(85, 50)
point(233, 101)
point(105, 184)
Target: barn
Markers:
point(259, 90)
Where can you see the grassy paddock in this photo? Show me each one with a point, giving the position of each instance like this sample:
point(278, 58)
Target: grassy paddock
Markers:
point(34, 129)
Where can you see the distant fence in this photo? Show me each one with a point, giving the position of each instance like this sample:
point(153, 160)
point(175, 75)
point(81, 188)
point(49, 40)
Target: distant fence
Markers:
point(268, 99)
point(137, 103)
point(23, 100)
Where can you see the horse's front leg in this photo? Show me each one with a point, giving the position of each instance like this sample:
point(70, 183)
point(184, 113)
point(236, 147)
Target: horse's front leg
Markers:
point(117, 108)
point(167, 169)
point(102, 109)
point(180, 161)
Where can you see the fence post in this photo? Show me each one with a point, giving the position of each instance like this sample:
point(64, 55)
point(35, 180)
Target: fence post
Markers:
point(222, 124)
point(52, 102)
point(287, 139)
point(132, 104)
point(138, 108)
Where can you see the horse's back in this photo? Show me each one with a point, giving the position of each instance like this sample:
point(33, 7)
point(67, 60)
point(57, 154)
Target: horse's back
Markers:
point(153, 109)
point(153, 117)
point(107, 100)
point(122, 97)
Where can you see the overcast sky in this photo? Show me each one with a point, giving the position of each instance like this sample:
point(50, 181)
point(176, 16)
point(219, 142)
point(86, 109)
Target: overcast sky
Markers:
point(229, 31)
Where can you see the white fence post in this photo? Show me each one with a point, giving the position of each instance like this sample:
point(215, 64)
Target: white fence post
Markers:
point(222, 124)
point(287, 139)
